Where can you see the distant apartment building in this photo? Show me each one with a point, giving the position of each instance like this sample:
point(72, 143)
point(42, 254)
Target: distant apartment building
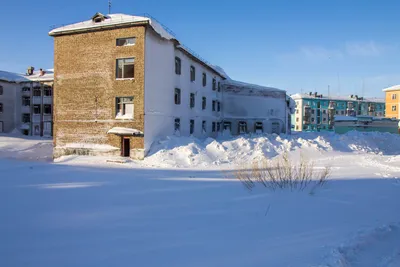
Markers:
point(122, 82)
point(392, 101)
point(315, 112)
point(26, 102)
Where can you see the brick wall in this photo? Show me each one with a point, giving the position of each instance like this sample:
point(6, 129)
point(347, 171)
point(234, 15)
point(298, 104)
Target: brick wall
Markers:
point(85, 66)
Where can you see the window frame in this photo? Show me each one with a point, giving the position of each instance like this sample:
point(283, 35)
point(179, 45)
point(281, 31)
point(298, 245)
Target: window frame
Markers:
point(214, 84)
point(47, 106)
point(177, 125)
point(192, 73)
point(394, 107)
point(177, 93)
point(394, 96)
point(204, 79)
point(178, 66)
point(203, 103)
point(1, 90)
point(123, 103)
point(192, 100)
point(191, 127)
point(123, 69)
point(125, 38)
point(39, 108)
point(204, 126)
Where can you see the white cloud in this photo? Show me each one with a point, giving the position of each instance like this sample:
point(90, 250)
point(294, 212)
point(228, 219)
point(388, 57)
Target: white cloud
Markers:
point(365, 49)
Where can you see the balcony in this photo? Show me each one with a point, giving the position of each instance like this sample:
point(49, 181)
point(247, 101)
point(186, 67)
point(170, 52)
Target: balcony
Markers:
point(25, 109)
point(37, 100)
point(47, 100)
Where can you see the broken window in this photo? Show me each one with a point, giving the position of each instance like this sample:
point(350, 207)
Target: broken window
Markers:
point(214, 103)
point(124, 107)
point(177, 125)
point(204, 126)
point(26, 101)
point(213, 126)
point(214, 84)
point(191, 126)
point(37, 92)
point(258, 127)
point(177, 96)
point(204, 103)
point(192, 73)
point(125, 68)
point(204, 79)
point(242, 127)
point(178, 65)
point(36, 109)
point(26, 118)
point(192, 100)
point(126, 41)
point(47, 91)
point(46, 109)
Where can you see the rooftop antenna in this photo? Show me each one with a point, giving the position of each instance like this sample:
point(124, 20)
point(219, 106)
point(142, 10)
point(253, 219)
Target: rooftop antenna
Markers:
point(109, 6)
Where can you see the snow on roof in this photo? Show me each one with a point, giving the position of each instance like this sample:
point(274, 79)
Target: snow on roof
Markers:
point(12, 77)
point(109, 21)
point(250, 86)
point(392, 88)
point(344, 98)
point(124, 131)
point(21, 78)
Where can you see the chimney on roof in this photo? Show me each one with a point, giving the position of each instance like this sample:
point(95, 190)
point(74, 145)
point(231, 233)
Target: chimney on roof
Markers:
point(42, 72)
point(30, 70)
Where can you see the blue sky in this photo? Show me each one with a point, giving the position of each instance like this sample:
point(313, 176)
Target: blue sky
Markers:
point(352, 46)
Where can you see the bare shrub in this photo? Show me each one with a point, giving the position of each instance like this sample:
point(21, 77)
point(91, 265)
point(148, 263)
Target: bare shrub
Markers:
point(283, 173)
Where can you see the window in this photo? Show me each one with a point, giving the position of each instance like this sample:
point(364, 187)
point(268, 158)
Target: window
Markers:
point(124, 107)
point(324, 111)
point(46, 109)
point(297, 127)
point(218, 106)
point(178, 65)
point(214, 84)
point(204, 126)
point(342, 112)
point(1, 90)
point(242, 127)
point(36, 109)
point(219, 86)
point(126, 41)
point(218, 126)
point(214, 103)
point(177, 96)
point(394, 96)
point(26, 101)
point(312, 119)
point(36, 130)
point(204, 79)
point(297, 111)
point(37, 92)
point(192, 74)
point(312, 111)
point(394, 108)
point(26, 118)
point(337, 112)
point(47, 91)
point(191, 126)
point(1, 107)
point(258, 127)
point(192, 100)
point(297, 119)
point(26, 89)
point(125, 68)
point(213, 126)
point(324, 119)
point(227, 126)
point(177, 125)
point(204, 103)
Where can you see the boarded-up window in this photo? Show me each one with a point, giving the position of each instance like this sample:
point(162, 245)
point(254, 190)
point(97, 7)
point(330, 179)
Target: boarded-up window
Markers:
point(125, 68)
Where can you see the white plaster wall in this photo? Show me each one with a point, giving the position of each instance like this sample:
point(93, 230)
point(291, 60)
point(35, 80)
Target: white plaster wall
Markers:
point(9, 99)
point(160, 84)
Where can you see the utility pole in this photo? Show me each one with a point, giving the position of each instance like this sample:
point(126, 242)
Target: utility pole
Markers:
point(109, 6)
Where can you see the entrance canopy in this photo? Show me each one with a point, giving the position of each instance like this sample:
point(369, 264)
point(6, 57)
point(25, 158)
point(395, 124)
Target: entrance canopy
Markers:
point(125, 131)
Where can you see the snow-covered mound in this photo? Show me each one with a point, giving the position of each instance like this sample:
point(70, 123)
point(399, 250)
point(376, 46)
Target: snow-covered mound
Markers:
point(190, 151)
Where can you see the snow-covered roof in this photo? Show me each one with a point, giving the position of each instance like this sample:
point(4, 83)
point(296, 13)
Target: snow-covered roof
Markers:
point(392, 88)
point(338, 98)
point(21, 78)
point(114, 20)
point(244, 85)
point(124, 131)
point(111, 20)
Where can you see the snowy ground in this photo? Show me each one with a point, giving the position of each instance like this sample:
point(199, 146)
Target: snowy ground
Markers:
point(85, 211)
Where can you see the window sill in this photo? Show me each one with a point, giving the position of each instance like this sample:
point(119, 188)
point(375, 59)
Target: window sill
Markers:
point(125, 79)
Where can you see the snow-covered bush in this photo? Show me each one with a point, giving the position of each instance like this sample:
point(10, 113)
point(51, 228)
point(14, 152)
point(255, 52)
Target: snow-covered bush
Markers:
point(283, 173)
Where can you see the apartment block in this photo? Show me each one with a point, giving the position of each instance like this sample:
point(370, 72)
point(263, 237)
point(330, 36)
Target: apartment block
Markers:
point(392, 101)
